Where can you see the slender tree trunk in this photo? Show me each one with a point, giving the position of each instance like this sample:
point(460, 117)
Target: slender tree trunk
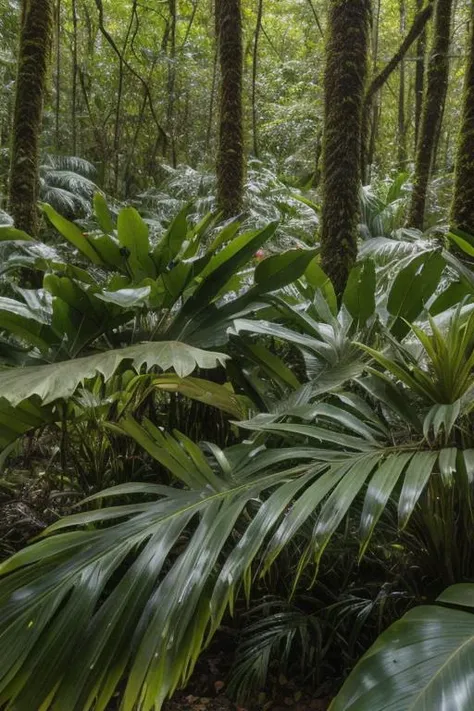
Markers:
point(419, 76)
point(74, 80)
point(58, 77)
point(210, 120)
point(316, 18)
point(34, 51)
point(375, 108)
point(170, 128)
point(462, 210)
point(254, 78)
point(402, 145)
point(437, 85)
point(230, 161)
point(345, 79)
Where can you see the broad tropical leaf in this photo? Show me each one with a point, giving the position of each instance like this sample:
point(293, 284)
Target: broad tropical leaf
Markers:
point(60, 380)
point(422, 662)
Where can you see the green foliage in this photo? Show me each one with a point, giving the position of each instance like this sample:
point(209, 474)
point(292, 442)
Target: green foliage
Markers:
point(345, 440)
point(409, 667)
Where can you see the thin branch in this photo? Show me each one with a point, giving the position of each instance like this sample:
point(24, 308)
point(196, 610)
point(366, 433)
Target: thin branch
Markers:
point(416, 29)
point(316, 18)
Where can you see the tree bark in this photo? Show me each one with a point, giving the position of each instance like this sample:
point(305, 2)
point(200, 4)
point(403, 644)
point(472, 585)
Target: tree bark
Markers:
point(345, 80)
point(462, 209)
point(74, 80)
point(230, 160)
point(437, 85)
point(33, 58)
point(170, 111)
point(402, 145)
point(419, 76)
point(254, 78)
point(57, 103)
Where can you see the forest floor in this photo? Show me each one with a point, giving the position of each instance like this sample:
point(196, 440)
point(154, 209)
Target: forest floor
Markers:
point(206, 690)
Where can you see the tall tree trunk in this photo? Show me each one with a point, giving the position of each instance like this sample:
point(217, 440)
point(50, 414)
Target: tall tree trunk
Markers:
point(170, 111)
point(375, 108)
point(402, 144)
point(345, 80)
point(74, 80)
point(462, 210)
point(34, 51)
point(230, 160)
point(437, 85)
point(419, 76)
point(57, 104)
point(254, 79)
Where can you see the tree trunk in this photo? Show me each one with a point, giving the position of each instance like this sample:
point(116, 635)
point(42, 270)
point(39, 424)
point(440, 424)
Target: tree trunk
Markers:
point(230, 160)
point(170, 111)
point(419, 76)
point(402, 143)
point(74, 80)
point(57, 103)
point(462, 210)
point(374, 110)
point(345, 80)
point(437, 85)
point(34, 51)
point(254, 79)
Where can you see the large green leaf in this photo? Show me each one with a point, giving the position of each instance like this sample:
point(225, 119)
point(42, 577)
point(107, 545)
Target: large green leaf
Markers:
point(423, 662)
point(7, 233)
point(132, 233)
point(412, 287)
point(60, 380)
point(102, 213)
point(72, 233)
point(223, 266)
point(281, 269)
point(172, 241)
point(359, 294)
point(202, 390)
point(463, 240)
point(19, 319)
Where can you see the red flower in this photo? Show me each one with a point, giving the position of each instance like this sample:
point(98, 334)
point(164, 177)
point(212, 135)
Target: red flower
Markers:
point(259, 254)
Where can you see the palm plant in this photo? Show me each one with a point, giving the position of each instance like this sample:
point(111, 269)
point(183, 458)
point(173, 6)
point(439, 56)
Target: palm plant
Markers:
point(226, 520)
point(361, 428)
point(67, 183)
point(266, 199)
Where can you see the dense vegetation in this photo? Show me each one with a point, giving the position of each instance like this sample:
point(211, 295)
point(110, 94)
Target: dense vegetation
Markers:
point(237, 353)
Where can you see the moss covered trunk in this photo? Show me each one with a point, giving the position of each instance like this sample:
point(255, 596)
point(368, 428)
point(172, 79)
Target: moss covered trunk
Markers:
point(230, 160)
point(462, 210)
point(35, 44)
point(345, 80)
point(437, 85)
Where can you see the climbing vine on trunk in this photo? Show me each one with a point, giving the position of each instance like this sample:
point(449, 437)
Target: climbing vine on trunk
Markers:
point(33, 57)
point(230, 160)
point(345, 80)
